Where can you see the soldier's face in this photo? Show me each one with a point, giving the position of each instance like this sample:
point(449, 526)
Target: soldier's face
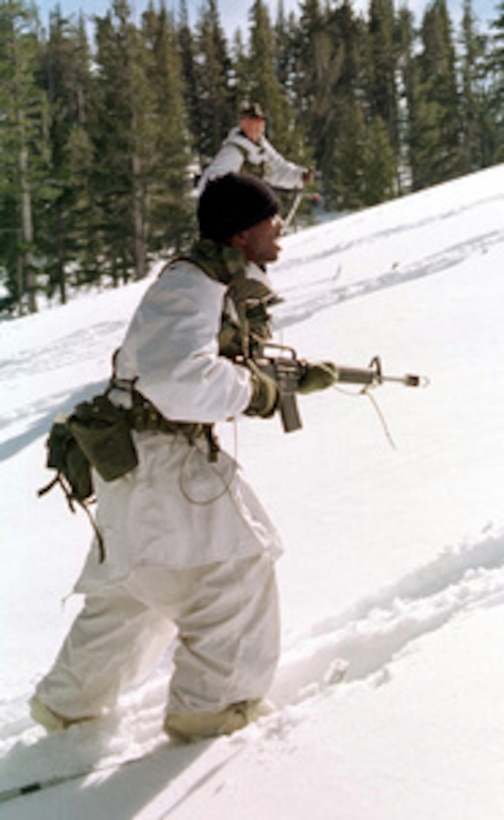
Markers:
point(260, 244)
point(253, 127)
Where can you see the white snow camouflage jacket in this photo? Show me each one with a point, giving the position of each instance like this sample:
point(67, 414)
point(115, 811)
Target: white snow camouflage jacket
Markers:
point(238, 152)
point(176, 509)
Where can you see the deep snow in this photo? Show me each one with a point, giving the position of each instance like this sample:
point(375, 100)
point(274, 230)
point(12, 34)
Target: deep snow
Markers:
point(394, 557)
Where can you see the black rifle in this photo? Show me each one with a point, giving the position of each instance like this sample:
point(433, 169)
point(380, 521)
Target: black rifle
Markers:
point(287, 371)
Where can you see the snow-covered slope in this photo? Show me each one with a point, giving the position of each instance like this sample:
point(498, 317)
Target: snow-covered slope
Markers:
point(394, 555)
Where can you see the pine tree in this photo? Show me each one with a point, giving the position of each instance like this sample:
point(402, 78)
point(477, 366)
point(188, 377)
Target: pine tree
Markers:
point(23, 150)
point(475, 106)
point(123, 138)
point(346, 182)
point(379, 164)
point(317, 68)
point(436, 151)
point(495, 73)
point(216, 112)
point(240, 79)
point(66, 78)
point(285, 35)
point(329, 96)
point(408, 81)
point(187, 49)
point(382, 65)
point(167, 177)
point(313, 80)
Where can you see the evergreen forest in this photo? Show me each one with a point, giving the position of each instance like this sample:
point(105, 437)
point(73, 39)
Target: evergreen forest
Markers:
point(106, 123)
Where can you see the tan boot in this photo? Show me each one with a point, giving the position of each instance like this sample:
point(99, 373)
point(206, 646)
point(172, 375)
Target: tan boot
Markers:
point(50, 720)
point(187, 727)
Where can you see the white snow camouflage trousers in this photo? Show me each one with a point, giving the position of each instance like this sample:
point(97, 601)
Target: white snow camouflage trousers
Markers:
point(227, 618)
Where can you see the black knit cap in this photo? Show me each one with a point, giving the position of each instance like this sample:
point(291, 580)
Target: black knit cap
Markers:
point(233, 203)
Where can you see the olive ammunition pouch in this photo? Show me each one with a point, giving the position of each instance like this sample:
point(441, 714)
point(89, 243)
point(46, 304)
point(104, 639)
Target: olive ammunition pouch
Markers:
point(72, 467)
point(103, 433)
point(73, 472)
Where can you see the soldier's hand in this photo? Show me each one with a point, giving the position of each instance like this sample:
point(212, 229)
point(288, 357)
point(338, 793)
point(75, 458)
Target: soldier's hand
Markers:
point(265, 393)
point(308, 176)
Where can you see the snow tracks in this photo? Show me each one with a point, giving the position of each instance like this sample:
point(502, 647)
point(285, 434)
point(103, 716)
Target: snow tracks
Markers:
point(372, 633)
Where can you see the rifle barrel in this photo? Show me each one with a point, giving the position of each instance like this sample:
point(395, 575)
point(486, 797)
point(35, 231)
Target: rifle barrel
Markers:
point(373, 375)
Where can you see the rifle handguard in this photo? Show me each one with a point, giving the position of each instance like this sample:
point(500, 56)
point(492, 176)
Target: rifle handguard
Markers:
point(358, 375)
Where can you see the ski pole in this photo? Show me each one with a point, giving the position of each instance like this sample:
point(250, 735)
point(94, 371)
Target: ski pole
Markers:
point(292, 210)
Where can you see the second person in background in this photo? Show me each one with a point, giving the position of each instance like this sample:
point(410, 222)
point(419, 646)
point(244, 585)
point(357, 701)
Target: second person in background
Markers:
point(246, 150)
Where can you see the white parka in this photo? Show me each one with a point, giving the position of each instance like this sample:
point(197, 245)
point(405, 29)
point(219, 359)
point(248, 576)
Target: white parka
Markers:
point(238, 150)
point(176, 509)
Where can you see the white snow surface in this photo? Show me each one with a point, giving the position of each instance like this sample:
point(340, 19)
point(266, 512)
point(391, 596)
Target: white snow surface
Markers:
point(394, 555)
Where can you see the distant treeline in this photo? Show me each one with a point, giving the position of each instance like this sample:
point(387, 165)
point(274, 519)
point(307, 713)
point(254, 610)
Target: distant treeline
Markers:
point(103, 128)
